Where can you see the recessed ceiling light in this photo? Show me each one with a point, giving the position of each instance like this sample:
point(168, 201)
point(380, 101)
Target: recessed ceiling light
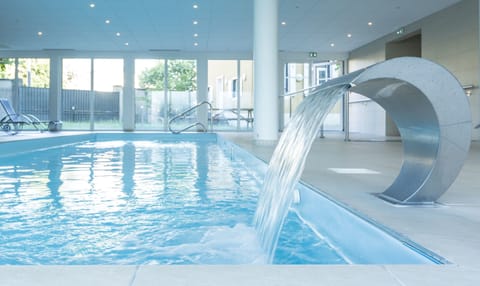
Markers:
point(195, 44)
point(349, 35)
point(370, 23)
point(40, 34)
point(126, 44)
point(107, 21)
point(118, 34)
point(195, 35)
point(195, 22)
point(332, 45)
point(195, 6)
point(284, 23)
point(92, 5)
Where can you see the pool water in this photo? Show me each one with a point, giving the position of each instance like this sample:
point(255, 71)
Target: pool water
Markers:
point(137, 201)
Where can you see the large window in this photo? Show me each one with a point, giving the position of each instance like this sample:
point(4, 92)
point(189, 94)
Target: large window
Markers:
point(322, 72)
point(182, 91)
point(108, 88)
point(25, 82)
point(164, 88)
point(246, 95)
point(7, 68)
point(33, 72)
point(33, 93)
point(299, 77)
point(296, 80)
point(76, 93)
point(150, 103)
point(230, 91)
point(91, 92)
point(7, 80)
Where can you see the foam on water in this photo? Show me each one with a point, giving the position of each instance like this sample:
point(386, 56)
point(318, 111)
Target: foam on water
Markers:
point(287, 164)
point(218, 245)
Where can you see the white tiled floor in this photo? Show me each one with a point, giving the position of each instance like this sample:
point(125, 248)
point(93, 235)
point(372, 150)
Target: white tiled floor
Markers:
point(451, 229)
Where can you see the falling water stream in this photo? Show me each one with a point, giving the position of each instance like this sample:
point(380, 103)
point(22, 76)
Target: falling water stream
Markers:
point(288, 161)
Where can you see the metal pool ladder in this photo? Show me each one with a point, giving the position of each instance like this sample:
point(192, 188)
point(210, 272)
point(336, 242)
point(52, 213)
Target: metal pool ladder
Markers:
point(184, 113)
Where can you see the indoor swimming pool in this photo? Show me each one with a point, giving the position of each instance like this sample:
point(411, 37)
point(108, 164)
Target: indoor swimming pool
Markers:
point(158, 198)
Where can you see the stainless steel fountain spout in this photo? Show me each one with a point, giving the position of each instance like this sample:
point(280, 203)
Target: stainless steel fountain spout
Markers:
point(432, 113)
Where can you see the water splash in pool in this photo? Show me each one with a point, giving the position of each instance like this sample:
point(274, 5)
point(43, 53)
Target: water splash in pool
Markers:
point(141, 201)
point(287, 164)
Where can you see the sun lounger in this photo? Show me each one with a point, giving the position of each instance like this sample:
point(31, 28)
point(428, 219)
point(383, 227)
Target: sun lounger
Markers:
point(14, 122)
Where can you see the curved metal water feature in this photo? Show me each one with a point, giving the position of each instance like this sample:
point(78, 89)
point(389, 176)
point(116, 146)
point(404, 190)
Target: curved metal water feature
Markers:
point(432, 114)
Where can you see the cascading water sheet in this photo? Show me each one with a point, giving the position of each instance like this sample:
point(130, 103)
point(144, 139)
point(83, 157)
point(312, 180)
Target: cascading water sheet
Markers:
point(288, 162)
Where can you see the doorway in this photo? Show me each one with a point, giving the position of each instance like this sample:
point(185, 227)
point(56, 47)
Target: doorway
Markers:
point(408, 46)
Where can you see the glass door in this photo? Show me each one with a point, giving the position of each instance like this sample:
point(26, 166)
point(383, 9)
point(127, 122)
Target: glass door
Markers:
point(222, 93)
point(245, 97)
point(322, 72)
point(7, 81)
point(151, 109)
point(182, 91)
point(298, 77)
point(91, 92)
point(108, 89)
point(296, 80)
point(76, 93)
point(230, 91)
point(163, 89)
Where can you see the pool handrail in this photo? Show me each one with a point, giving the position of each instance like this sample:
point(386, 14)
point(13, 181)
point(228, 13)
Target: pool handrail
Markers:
point(198, 123)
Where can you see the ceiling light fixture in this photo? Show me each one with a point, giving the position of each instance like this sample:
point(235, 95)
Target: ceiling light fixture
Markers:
point(332, 45)
point(370, 23)
point(284, 23)
point(195, 35)
point(195, 44)
point(349, 35)
point(195, 6)
point(195, 22)
point(118, 34)
point(92, 5)
point(40, 34)
point(107, 21)
point(126, 44)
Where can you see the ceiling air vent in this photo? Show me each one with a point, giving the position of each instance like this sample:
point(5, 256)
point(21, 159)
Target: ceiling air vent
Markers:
point(165, 50)
point(58, 50)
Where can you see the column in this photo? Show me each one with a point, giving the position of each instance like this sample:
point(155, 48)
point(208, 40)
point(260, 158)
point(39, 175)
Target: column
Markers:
point(202, 89)
point(265, 56)
point(127, 102)
point(55, 94)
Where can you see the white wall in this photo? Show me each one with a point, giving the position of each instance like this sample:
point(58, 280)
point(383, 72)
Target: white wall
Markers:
point(449, 38)
point(366, 116)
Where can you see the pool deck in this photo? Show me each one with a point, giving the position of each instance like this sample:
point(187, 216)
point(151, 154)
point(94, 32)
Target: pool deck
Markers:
point(450, 228)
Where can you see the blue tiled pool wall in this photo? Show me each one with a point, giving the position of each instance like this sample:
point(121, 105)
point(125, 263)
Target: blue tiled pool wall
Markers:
point(358, 239)
point(362, 240)
point(12, 148)
point(237, 153)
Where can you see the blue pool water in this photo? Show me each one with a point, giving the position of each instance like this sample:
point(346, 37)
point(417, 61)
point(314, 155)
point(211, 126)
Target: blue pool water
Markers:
point(154, 199)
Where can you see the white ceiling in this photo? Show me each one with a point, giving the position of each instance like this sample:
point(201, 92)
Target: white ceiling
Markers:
point(223, 25)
